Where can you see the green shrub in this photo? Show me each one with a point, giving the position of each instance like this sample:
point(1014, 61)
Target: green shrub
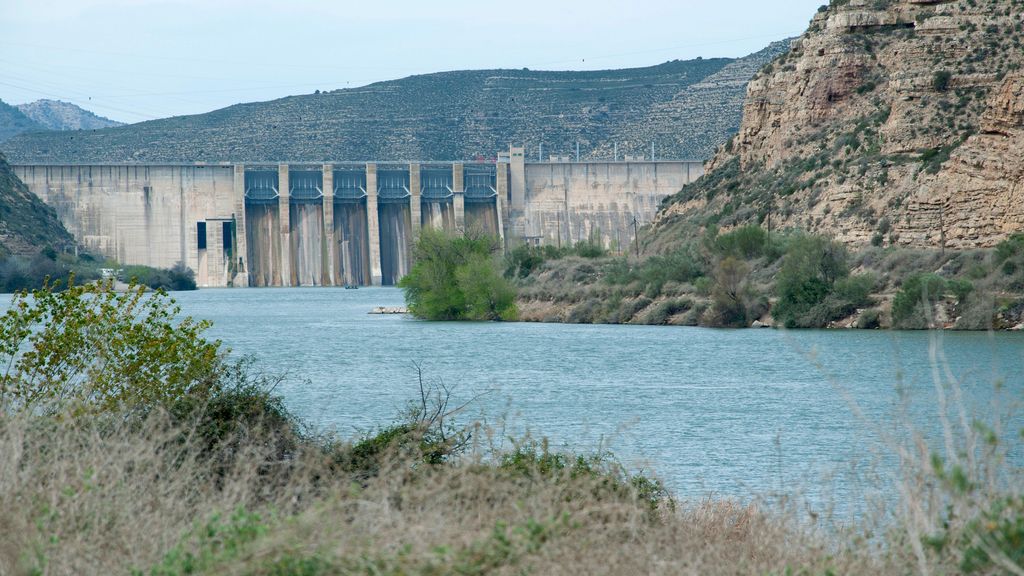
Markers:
point(856, 289)
point(729, 295)
point(870, 320)
point(654, 272)
point(485, 294)
point(913, 303)
point(523, 260)
point(940, 80)
point(1012, 247)
point(457, 278)
point(626, 310)
point(810, 269)
point(534, 460)
point(89, 348)
point(960, 288)
point(590, 249)
point(179, 277)
point(745, 242)
point(662, 312)
point(998, 531)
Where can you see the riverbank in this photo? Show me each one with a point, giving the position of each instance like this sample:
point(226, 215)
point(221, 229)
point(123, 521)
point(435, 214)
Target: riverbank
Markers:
point(745, 278)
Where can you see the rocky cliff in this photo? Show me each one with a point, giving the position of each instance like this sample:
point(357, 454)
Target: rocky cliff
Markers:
point(888, 121)
point(58, 115)
point(686, 108)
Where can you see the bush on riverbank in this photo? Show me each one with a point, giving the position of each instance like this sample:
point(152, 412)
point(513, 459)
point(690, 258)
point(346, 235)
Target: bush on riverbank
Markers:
point(218, 477)
point(457, 278)
point(25, 273)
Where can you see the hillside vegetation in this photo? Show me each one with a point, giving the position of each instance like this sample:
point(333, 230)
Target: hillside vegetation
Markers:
point(14, 122)
point(685, 107)
point(27, 225)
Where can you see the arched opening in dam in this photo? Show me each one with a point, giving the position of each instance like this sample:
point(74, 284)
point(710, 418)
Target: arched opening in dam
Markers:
point(351, 234)
point(437, 198)
point(395, 220)
point(482, 199)
point(306, 221)
point(262, 227)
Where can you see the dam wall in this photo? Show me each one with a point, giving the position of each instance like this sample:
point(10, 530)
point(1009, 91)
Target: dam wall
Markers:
point(151, 215)
point(340, 224)
point(570, 202)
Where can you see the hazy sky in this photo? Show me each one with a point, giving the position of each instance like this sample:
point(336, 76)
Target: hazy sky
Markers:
point(134, 60)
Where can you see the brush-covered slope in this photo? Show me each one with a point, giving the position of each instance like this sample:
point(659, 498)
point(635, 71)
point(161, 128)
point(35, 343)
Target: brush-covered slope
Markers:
point(686, 107)
point(27, 225)
point(58, 115)
point(888, 121)
point(14, 122)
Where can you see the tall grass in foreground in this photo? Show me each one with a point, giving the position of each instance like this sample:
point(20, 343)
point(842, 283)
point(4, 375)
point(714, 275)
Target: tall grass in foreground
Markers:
point(213, 476)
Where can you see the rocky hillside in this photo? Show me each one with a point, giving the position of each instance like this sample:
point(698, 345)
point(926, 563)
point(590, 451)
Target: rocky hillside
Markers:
point(686, 107)
point(58, 115)
point(14, 122)
point(888, 122)
point(27, 225)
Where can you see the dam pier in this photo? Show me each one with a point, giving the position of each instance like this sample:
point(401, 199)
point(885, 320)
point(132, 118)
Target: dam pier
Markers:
point(341, 223)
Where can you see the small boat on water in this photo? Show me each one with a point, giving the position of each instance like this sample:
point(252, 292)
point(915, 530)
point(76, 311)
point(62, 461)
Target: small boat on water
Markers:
point(351, 287)
point(389, 310)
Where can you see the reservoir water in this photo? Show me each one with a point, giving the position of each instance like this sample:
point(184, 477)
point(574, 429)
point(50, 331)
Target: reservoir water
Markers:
point(712, 412)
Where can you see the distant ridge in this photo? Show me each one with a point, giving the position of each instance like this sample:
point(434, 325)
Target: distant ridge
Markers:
point(14, 122)
point(58, 115)
point(686, 108)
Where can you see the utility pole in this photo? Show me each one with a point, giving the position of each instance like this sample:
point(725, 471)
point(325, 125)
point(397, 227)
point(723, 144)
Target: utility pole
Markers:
point(636, 238)
point(652, 150)
point(942, 229)
point(577, 151)
point(615, 154)
point(559, 229)
point(540, 152)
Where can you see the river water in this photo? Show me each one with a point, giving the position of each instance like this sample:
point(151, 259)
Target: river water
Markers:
point(712, 412)
point(724, 412)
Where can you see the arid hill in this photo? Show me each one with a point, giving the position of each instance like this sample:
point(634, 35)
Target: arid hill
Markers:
point(58, 115)
point(686, 108)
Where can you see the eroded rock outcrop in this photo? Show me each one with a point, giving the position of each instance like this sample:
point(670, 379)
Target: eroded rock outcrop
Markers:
point(888, 121)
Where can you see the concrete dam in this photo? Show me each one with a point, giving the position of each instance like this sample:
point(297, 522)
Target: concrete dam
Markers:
point(337, 224)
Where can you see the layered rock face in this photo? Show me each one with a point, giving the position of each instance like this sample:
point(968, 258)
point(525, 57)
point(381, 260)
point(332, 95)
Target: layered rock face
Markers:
point(889, 121)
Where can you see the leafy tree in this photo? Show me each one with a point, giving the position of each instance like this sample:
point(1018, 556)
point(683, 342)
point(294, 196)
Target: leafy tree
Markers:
point(89, 348)
point(457, 278)
point(810, 269)
point(485, 294)
point(745, 242)
point(729, 293)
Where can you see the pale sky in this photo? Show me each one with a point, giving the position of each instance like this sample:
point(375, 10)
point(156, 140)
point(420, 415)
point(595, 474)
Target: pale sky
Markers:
point(133, 60)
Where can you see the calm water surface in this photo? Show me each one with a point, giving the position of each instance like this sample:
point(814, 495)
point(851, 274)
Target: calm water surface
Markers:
point(723, 412)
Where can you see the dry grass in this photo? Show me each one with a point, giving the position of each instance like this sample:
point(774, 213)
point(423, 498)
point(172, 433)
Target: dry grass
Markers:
point(108, 498)
point(95, 499)
point(116, 493)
